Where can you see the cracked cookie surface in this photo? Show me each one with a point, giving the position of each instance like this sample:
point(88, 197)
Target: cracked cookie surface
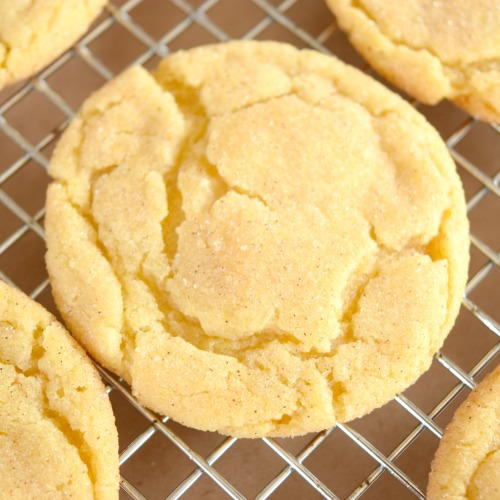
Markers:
point(432, 49)
point(261, 240)
point(35, 32)
point(467, 461)
point(57, 432)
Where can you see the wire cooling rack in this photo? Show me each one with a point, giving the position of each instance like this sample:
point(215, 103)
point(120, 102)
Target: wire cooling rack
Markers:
point(376, 457)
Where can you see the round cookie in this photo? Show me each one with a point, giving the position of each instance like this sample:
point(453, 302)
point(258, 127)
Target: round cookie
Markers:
point(467, 462)
point(57, 432)
point(432, 49)
point(260, 240)
point(35, 32)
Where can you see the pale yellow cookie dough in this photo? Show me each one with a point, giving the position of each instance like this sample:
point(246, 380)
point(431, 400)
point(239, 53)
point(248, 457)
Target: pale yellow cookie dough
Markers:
point(467, 462)
point(261, 240)
point(432, 49)
point(57, 434)
point(35, 32)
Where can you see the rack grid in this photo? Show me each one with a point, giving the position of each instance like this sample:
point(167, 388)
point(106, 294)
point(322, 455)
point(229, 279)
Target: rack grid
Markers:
point(25, 149)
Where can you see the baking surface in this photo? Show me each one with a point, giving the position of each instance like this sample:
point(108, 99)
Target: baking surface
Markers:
point(154, 461)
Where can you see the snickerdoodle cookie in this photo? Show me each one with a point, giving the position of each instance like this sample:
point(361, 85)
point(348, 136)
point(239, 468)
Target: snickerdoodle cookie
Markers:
point(261, 240)
point(57, 434)
point(433, 49)
point(467, 462)
point(34, 32)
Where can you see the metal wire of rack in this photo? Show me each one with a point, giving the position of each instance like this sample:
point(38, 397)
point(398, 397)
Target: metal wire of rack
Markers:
point(197, 13)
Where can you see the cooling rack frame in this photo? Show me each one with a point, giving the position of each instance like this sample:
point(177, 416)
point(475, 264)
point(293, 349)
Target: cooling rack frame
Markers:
point(274, 12)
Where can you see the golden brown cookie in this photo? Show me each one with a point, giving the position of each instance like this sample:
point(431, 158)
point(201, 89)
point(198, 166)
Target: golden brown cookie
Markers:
point(261, 240)
point(57, 434)
point(467, 462)
point(432, 49)
point(35, 32)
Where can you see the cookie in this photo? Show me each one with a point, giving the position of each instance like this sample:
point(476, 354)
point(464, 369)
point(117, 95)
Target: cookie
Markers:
point(432, 49)
point(57, 433)
point(34, 33)
point(260, 240)
point(467, 462)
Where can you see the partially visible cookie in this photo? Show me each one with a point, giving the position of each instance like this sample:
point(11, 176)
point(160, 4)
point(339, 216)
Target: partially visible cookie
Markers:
point(432, 49)
point(57, 433)
point(467, 462)
point(34, 32)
